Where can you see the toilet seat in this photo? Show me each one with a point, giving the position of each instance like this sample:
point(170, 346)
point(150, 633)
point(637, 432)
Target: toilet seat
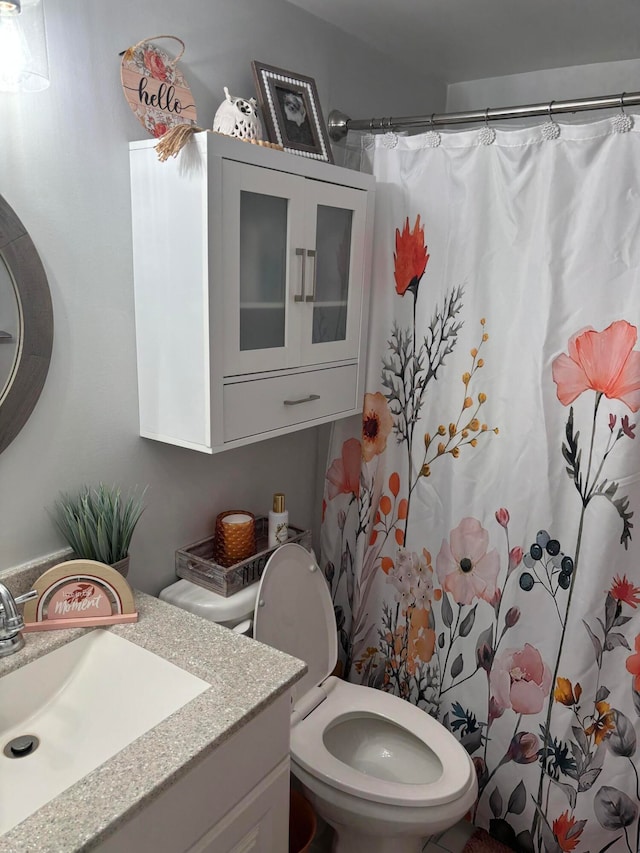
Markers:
point(294, 613)
point(343, 700)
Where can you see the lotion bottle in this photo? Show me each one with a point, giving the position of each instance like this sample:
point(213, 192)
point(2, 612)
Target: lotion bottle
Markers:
point(278, 522)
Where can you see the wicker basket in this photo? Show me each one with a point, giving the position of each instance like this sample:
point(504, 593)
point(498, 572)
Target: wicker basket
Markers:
point(196, 563)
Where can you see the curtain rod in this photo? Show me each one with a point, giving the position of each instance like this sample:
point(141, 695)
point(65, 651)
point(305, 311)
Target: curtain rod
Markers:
point(339, 123)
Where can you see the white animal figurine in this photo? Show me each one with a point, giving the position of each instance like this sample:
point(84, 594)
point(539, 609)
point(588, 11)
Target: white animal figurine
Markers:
point(238, 117)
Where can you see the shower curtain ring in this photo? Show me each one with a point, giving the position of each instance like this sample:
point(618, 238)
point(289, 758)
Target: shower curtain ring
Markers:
point(622, 123)
point(487, 135)
point(390, 139)
point(432, 136)
point(550, 130)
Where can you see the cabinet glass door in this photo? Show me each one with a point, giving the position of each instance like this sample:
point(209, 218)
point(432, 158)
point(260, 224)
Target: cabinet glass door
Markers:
point(335, 236)
point(263, 271)
point(263, 223)
point(332, 261)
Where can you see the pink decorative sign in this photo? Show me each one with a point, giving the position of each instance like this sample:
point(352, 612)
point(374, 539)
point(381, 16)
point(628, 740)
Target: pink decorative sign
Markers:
point(79, 594)
point(155, 88)
point(78, 599)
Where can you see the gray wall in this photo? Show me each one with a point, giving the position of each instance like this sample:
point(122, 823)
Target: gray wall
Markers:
point(578, 81)
point(64, 169)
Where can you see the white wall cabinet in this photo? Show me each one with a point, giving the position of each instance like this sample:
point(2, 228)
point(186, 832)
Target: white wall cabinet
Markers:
point(251, 270)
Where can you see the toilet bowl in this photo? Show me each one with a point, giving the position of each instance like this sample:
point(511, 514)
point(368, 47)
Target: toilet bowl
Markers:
point(384, 777)
point(384, 774)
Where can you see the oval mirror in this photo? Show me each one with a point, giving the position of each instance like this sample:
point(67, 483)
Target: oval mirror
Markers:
point(26, 325)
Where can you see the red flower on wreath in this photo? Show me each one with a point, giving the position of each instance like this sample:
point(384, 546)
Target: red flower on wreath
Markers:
point(159, 129)
point(410, 258)
point(154, 62)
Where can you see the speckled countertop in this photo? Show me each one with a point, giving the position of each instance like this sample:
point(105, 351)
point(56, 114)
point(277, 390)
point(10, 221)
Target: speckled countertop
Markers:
point(245, 677)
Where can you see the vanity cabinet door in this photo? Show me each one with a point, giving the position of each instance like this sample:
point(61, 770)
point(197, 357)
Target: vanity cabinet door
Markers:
point(235, 799)
point(263, 236)
point(336, 218)
point(258, 824)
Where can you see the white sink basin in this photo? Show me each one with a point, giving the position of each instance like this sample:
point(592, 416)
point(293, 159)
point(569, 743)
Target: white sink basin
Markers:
point(85, 702)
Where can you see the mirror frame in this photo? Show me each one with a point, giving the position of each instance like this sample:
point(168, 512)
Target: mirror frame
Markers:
point(36, 325)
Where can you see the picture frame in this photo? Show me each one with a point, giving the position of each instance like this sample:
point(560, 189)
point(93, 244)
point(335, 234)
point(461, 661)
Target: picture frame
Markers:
point(291, 112)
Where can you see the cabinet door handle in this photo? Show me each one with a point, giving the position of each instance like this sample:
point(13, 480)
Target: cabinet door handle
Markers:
point(312, 254)
point(301, 253)
point(302, 400)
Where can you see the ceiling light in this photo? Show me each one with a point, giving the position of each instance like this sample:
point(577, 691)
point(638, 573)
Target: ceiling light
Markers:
point(24, 66)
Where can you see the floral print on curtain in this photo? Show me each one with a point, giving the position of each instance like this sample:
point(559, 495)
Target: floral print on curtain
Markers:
point(448, 612)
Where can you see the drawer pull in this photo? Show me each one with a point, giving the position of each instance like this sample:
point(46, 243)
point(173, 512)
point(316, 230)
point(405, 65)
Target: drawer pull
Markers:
point(301, 253)
point(312, 254)
point(302, 400)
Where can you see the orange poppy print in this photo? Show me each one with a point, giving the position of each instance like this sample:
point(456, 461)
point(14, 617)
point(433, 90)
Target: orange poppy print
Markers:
point(410, 258)
point(377, 423)
point(422, 638)
point(567, 831)
point(633, 665)
point(565, 693)
point(603, 722)
point(605, 362)
point(343, 475)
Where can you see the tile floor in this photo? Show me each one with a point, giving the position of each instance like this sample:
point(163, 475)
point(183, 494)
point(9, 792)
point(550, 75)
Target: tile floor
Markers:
point(451, 841)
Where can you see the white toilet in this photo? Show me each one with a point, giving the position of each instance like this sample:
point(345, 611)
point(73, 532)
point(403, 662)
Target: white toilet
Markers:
point(384, 774)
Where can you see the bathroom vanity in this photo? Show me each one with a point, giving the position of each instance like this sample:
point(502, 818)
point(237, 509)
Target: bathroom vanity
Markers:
point(212, 776)
point(251, 297)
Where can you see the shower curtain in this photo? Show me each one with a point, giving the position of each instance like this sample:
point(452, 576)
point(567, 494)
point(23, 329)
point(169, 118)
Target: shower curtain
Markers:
point(478, 532)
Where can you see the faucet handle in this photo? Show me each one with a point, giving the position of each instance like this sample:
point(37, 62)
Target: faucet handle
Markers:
point(26, 596)
point(11, 622)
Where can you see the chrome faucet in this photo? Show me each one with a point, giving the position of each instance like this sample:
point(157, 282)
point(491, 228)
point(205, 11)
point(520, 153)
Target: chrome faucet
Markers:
point(11, 622)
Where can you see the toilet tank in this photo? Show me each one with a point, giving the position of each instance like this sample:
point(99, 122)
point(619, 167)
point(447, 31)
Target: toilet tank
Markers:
point(235, 612)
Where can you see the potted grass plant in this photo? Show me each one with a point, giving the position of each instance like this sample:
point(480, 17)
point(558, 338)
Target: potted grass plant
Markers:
point(98, 523)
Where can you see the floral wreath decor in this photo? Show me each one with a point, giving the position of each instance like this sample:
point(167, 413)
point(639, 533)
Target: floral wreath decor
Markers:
point(155, 88)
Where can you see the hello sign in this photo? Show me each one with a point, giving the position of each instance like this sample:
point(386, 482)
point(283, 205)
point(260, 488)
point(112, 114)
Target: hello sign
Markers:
point(155, 88)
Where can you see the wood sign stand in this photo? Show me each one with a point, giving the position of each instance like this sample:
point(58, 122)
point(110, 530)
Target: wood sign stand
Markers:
point(79, 594)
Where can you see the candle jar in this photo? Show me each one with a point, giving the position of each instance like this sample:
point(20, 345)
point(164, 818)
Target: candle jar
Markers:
point(235, 537)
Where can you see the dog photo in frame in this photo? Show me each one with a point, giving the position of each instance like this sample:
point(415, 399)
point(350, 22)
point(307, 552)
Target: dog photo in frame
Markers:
point(291, 112)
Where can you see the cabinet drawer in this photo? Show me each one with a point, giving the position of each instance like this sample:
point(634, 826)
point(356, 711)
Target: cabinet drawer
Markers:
point(261, 405)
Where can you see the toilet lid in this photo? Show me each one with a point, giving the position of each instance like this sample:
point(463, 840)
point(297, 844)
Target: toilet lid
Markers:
point(294, 613)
